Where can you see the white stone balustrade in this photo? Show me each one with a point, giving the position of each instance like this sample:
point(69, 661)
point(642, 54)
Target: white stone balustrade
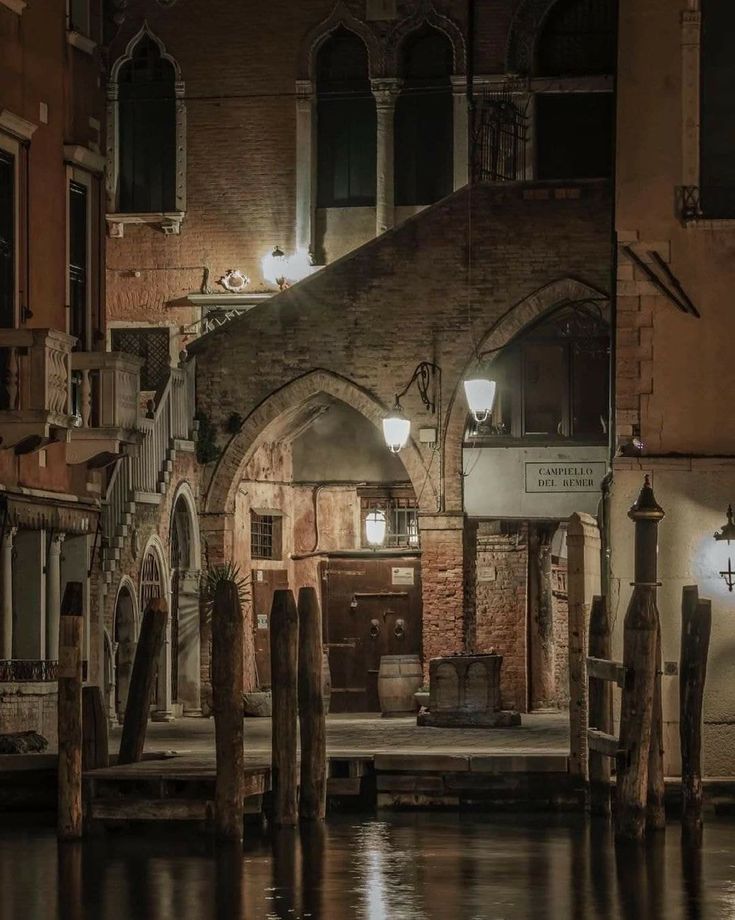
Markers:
point(35, 393)
point(107, 401)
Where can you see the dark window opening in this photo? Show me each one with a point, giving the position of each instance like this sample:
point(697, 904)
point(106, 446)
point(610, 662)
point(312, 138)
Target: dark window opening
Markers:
point(7, 263)
point(552, 384)
point(7, 240)
point(498, 138)
point(147, 112)
point(346, 124)
point(574, 135)
point(578, 39)
point(717, 110)
point(266, 536)
point(424, 121)
point(78, 254)
point(78, 12)
point(152, 345)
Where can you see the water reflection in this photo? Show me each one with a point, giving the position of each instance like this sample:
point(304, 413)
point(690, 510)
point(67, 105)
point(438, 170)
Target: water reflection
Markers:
point(406, 867)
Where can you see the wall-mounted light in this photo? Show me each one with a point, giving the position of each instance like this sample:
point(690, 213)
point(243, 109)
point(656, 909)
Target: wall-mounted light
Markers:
point(282, 270)
point(727, 533)
point(480, 395)
point(396, 427)
point(376, 525)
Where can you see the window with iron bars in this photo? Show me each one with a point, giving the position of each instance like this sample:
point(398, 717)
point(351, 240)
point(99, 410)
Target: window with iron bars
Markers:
point(499, 138)
point(265, 536)
point(401, 516)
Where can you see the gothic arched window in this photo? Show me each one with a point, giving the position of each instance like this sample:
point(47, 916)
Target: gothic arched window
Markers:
point(346, 124)
point(147, 131)
point(423, 125)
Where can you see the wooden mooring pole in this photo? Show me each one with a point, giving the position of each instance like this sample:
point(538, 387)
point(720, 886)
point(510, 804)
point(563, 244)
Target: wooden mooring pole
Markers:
point(71, 628)
point(145, 667)
point(313, 794)
point(639, 660)
point(600, 708)
point(696, 626)
point(284, 681)
point(227, 689)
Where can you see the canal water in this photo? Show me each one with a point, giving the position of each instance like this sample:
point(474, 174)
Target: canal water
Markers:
point(405, 867)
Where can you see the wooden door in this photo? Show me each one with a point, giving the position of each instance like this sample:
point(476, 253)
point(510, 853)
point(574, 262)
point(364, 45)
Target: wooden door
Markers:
point(265, 582)
point(372, 607)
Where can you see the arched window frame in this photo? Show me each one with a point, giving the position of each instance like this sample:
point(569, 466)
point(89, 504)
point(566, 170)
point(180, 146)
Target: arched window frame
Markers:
point(169, 222)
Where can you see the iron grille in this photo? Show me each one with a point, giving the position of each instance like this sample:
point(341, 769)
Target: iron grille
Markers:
point(262, 531)
point(499, 139)
point(402, 520)
point(153, 346)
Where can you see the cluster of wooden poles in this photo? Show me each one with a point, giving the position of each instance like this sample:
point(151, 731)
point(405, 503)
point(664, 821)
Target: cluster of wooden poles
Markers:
point(296, 669)
point(638, 752)
point(296, 679)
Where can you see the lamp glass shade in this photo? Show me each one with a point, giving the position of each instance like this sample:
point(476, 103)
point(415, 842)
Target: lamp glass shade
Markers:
point(274, 266)
point(375, 528)
point(480, 395)
point(396, 429)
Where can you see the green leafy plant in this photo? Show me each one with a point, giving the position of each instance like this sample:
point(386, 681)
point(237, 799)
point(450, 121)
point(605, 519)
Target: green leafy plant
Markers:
point(229, 572)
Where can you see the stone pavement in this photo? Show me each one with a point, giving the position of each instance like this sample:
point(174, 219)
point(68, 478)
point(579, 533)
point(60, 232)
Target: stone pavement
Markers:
point(365, 735)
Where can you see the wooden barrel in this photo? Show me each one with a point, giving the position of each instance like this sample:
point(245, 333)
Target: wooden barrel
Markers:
point(326, 681)
point(399, 677)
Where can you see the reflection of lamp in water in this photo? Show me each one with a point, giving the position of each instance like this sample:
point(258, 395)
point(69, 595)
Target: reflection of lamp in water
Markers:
point(727, 533)
point(375, 528)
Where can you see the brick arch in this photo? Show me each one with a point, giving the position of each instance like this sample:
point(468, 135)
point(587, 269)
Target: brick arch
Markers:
point(274, 415)
point(425, 15)
point(523, 34)
point(508, 327)
point(342, 16)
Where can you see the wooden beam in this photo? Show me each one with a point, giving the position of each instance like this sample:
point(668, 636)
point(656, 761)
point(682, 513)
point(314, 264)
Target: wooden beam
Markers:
point(145, 668)
point(600, 708)
point(603, 669)
point(313, 793)
point(284, 665)
point(602, 743)
point(71, 626)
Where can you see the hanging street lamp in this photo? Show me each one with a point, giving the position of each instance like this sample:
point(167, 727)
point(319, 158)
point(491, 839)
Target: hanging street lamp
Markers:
point(396, 427)
point(376, 525)
point(480, 395)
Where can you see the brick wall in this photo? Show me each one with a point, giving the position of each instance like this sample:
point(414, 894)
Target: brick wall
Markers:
point(500, 605)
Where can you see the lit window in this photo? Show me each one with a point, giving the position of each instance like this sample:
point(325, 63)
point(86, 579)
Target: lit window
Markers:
point(401, 515)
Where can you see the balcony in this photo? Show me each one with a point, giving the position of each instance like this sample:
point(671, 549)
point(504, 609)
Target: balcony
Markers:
point(35, 381)
point(105, 397)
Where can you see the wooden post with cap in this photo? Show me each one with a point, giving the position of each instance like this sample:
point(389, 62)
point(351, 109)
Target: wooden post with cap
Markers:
point(640, 644)
point(71, 627)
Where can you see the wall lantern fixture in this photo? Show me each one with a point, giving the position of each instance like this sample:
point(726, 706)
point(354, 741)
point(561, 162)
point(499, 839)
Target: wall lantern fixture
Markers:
point(376, 525)
point(727, 533)
point(480, 395)
point(282, 270)
point(396, 427)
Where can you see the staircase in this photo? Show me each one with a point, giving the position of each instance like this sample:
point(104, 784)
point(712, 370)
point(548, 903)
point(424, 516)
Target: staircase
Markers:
point(144, 478)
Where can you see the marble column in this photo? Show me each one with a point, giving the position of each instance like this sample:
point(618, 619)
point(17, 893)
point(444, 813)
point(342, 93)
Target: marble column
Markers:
point(6, 606)
point(305, 164)
point(386, 93)
point(53, 596)
point(164, 700)
point(461, 151)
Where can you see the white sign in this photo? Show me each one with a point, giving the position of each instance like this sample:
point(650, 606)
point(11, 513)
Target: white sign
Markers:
point(262, 621)
point(560, 476)
point(403, 576)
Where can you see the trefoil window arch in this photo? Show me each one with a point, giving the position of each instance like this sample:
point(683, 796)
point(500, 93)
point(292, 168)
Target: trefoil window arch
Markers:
point(146, 138)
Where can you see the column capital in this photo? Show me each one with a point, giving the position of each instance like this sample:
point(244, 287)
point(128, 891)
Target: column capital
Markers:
point(386, 90)
point(459, 85)
point(8, 535)
point(304, 92)
point(56, 540)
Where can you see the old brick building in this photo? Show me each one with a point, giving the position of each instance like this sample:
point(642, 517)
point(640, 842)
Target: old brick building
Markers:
point(675, 232)
point(351, 120)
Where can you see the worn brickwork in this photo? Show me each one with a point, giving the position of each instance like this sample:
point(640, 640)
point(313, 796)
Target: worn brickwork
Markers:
point(29, 707)
point(501, 601)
